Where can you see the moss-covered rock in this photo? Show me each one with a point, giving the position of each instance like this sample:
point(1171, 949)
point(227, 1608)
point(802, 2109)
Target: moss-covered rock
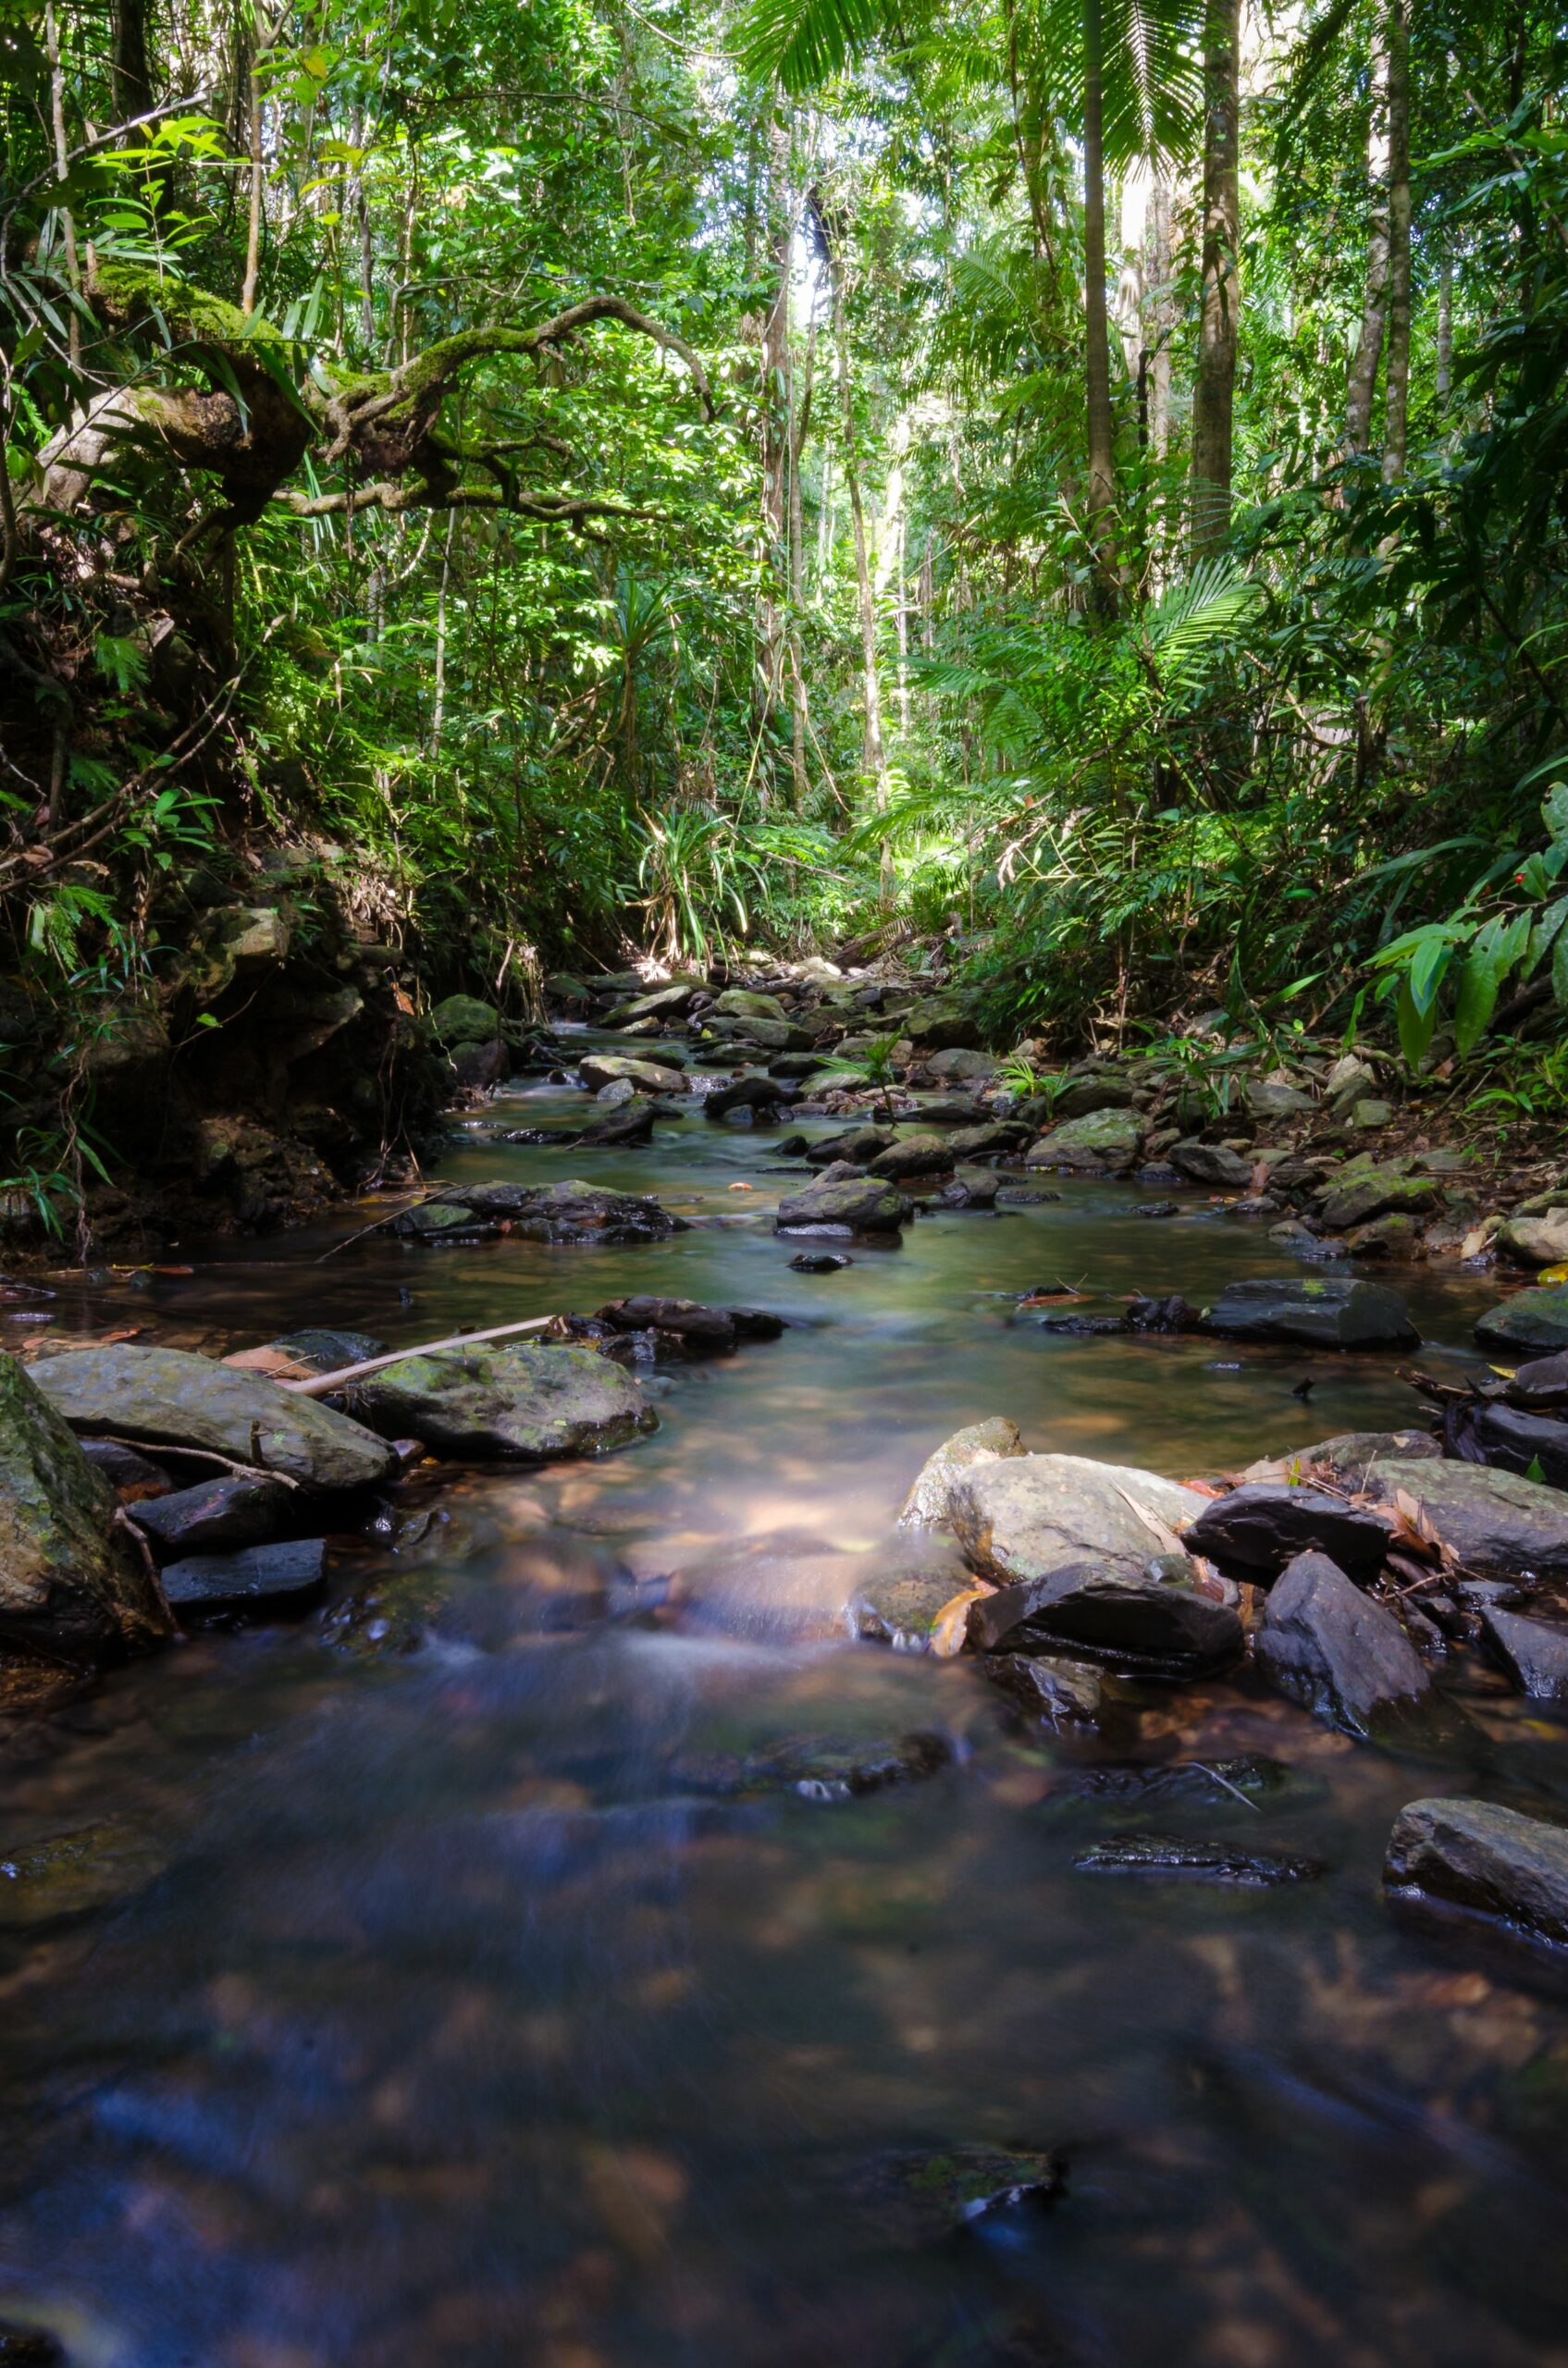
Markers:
point(71, 1581)
point(519, 1402)
point(1105, 1141)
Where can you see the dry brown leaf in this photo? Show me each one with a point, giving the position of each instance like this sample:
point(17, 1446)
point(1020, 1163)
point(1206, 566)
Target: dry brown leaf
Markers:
point(270, 1362)
point(950, 1627)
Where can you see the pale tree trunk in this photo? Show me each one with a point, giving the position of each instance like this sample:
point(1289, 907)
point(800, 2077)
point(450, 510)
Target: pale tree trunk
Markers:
point(1445, 330)
point(902, 630)
point(1396, 412)
point(774, 361)
point(875, 748)
point(1214, 394)
point(1097, 369)
point(1160, 316)
point(1362, 384)
point(439, 714)
point(67, 219)
point(800, 422)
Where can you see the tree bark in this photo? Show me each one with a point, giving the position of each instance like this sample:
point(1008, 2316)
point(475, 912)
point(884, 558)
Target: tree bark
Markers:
point(1097, 362)
point(1444, 380)
point(799, 427)
point(1396, 411)
point(775, 423)
point(1362, 384)
point(1161, 316)
point(1214, 395)
point(875, 747)
point(130, 77)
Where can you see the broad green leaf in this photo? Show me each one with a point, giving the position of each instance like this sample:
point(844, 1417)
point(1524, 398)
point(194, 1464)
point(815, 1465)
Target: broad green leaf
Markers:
point(1478, 983)
point(1415, 1027)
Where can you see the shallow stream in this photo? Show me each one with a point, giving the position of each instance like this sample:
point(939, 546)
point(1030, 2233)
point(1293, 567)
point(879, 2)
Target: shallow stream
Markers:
point(419, 2012)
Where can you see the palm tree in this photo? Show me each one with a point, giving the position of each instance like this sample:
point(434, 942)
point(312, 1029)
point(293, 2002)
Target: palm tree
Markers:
point(1124, 75)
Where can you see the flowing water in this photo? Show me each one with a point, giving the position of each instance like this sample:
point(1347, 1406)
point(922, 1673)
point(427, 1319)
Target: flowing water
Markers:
point(427, 2014)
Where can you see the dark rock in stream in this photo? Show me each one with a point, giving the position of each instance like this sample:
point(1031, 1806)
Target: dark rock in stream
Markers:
point(1534, 1320)
point(628, 1123)
point(1172, 1783)
point(29, 2348)
point(571, 1213)
point(842, 1206)
point(325, 1349)
point(817, 1768)
point(1541, 1384)
point(1512, 1440)
point(857, 1145)
point(134, 1477)
point(1533, 1652)
point(215, 1515)
point(1330, 1312)
point(1485, 1861)
point(990, 1441)
point(266, 1579)
point(759, 1094)
point(1169, 1857)
point(71, 1874)
point(1499, 1524)
point(163, 1398)
point(1061, 1692)
point(1259, 1528)
point(1340, 1656)
point(972, 1188)
point(820, 1262)
point(1211, 1163)
point(1153, 1622)
point(921, 2197)
point(912, 1156)
point(704, 1331)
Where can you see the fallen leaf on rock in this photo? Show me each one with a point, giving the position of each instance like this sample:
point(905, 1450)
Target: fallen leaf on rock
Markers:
point(272, 1363)
point(950, 1627)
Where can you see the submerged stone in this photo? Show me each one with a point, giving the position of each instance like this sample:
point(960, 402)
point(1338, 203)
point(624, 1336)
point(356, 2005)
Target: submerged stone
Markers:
point(70, 1874)
point(927, 2195)
point(1327, 1313)
point(1061, 1692)
point(842, 1206)
point(263, 1579)
point(1169, 1857)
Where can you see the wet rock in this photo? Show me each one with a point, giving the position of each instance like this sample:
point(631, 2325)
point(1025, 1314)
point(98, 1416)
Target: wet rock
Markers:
point(1360, 1195)
point(662, 1003)
point(71, 1874)
point(925, 2197)
point(1349, 1455)
point(71, 1582)
point(1159, 1209)
point(1541, 1382)
point(842, 1206)
point(262, 1580)
point(766, 1035)
point(708, 1331)
point(463, 1019)
point(1169, 1857)
point(1514, 1441)
point(1533, 1652)
point(971, 1187)
point(571, 1214)
point(992, 1442)
point(1062, 1692)
point(632, 1122)
point(1175, 1783)
point(163, 1398)
point(481, 1065)
point(819, 1768)
point(1024, 1518)
point(959, 1065)
point(940, 1024)
point(898, 1603)
point(1106, 1143)
point(739, 1002)
point(649, 1077)
point(759, 1093)
point(1390, 1237)
point(442, 1221)
point(1259, 1528)
point(1300, 1240)
point(29, 2348)
point(1533, 1320)
point(1211, 1163)
point(327, 1350)
point(857, 1146)
point(513, 1401)
point(1327, 1647)
point(134, 1477)
point(1499, 1524)
point(1484, 1862)
point(819, 1261)
point(1272, 1099)
point(214, 1515)
point(990, 1141)
point(1153, 1622)
point(1327, 1313)
point(1536, 1240)
point(912, 1156)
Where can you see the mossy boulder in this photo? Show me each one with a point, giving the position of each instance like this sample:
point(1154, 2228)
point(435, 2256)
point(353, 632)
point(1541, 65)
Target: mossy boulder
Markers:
point(989, 1442)
point(463, 1019)
point(1534, 1320)
point(164, 1398)
point(843, 1204)
point(71, 1581)
point(1104, 1142)
point(522, 1402)
point(740, 1002)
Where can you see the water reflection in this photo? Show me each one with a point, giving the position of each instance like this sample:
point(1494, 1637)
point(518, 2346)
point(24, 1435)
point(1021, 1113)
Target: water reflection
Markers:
point(438, 2006)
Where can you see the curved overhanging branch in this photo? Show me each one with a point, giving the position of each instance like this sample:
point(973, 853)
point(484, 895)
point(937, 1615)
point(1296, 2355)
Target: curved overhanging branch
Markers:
point(564, 510)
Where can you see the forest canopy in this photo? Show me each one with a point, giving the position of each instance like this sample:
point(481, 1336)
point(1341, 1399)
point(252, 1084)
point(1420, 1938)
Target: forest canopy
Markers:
point(1084, 480)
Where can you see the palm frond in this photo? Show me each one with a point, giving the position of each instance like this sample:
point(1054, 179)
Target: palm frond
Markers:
point(801, 43)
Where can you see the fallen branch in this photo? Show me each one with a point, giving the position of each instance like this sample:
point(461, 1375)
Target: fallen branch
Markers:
point(205, 1454)
point(321, 1385)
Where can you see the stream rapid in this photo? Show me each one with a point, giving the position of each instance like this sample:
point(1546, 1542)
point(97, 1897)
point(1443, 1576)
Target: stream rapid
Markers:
point(433, 2016)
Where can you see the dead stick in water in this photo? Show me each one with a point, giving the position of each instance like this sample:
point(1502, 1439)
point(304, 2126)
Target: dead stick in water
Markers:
point(429, 1193)
point(321, 1385)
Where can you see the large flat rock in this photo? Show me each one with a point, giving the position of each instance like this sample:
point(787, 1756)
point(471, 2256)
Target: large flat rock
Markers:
point(1313, 1312)
point(163, 1398)
point(1534, 1320)
point(992, 1442)
point(517, 1403)
point(842, 1206)
point(1024, 1517)
point(573, 1213)
point(1484, 1860)
point(1260, 1528)
point(71, 1581)
point(1500, 1524)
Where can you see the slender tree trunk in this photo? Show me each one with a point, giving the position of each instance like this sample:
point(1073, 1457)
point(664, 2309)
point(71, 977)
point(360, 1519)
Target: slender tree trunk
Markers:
point(438, 711)
point(875, 747)
point(800, 422)
point(775, 423)
point(1214, 395)
point(1161, 312)
point(260, 45)
point(366, 249)
point(1396, 414)
point(1369, 345)
point(903, 627)
point(1445, 330)
point(131, 79)
point(67, 219)
point(1097, 370)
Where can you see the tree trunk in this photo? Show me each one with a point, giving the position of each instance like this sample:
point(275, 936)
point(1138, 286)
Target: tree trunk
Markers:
point(1097, 367)
point(67, 219)
point(1214, 395)
point(774, 361)
point(1396, 412)
point(875, 749)
point(1161, 312)
point(800, 421)
point(1364, 367)
point(1445, 330)
point(130, 77)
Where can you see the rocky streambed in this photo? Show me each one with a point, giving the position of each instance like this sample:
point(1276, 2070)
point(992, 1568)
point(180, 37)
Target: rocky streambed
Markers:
point(921, 1768)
